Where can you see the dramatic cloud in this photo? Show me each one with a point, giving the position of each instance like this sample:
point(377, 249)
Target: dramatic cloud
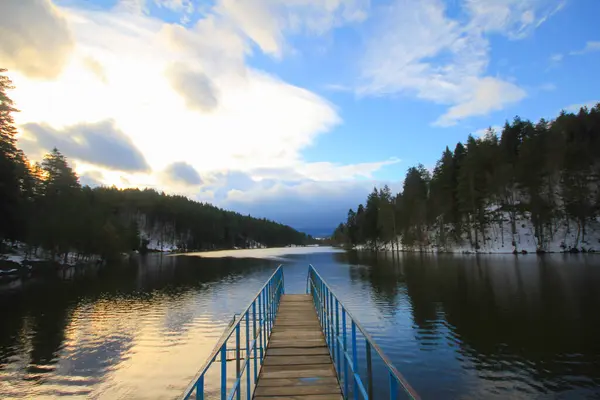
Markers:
point(182, 172)
point(151, 78)
point(445, 59)
point(35, 38)
point(99, 144)
point(194, 86)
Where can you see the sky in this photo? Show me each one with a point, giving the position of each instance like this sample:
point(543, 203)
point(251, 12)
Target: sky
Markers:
point(291, 110)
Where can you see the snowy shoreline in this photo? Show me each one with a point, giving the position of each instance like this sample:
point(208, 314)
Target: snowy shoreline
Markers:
point(566, 238)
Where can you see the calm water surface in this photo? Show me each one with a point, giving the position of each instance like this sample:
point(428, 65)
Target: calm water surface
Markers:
point(455, 326)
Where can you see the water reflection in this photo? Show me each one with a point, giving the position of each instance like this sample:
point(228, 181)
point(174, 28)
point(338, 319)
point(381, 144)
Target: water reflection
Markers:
point(137, 330)
point(513, 325)
point(455, 326)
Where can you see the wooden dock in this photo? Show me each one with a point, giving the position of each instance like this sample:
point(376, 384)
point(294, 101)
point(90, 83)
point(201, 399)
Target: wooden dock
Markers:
point(297, 365)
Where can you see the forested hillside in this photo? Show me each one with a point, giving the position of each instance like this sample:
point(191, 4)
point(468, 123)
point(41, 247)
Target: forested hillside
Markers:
point(45, 207)
point(530, 187)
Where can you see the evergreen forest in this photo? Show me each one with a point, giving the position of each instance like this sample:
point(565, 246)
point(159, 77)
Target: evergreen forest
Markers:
point(544, 173)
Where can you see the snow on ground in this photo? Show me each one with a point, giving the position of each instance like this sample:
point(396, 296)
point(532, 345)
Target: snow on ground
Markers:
point(20, 254)
point(499, 239)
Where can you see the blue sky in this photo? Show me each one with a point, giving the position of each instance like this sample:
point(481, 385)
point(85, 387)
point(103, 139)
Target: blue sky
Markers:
point(291, 110)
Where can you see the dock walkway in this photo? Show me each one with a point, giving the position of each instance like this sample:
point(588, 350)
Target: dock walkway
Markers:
point(297, 365)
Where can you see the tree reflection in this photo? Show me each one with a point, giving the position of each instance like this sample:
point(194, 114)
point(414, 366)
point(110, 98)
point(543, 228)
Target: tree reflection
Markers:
point(536, 316)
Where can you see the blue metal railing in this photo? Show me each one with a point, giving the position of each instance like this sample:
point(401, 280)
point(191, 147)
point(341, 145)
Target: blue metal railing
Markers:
point(335, 320)
point(258, 321)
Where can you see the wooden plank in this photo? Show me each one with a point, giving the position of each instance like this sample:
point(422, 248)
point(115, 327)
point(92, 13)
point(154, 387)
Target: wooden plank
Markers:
point(292, 334)
point(296, 390)
point(312, 381)
point(302, 367)
point(292, 351)
point(287, 373)
point(297, 364)
point(306, 318)
point(281, 329)
point(298, 344)
point(295, 312)
point(286, 326)
point(308, 397)
point(296, 297)
point(297, 360)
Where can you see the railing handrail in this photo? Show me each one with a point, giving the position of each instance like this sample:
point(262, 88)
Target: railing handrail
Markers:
point(393, 370)
point(228, 332)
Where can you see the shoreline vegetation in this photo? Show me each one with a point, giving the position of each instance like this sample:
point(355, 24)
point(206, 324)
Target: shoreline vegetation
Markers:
point(48, 218)
point(531, 188)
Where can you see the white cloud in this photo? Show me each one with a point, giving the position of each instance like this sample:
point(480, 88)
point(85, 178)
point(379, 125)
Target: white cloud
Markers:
point(490, 94)
point(182, 173)
point(35, 38)
point(260, 120)
point(132, 6)
point(417, 49)
point(267, 22)
point(195, 87)
point(186, 6)
point(574, 108)
point(149, 79)
point(589, 47)
point(513, 18)
point(556, 58)
point(95, 68)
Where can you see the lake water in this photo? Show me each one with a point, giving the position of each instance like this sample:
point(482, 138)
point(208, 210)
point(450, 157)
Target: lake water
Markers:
point(456, 326)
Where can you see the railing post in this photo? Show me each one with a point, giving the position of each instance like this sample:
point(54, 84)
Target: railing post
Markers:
point(325, 319)
point(393, 387)
point(237, 358)
point(337, 336)
point(331, 321)
point(272, 302)
point(200, 388)
point(346, 381)
point(248, 364)
point(260, 326)
point(224, 371)
point(254, 340)
point(322, 302)
point(369, 370)
point(354, 361)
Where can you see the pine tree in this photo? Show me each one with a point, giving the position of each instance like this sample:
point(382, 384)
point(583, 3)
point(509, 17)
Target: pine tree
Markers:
point(414, 206)
point(386, 223)
point(371, 219)
point(441, 199)
point(13, 169)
